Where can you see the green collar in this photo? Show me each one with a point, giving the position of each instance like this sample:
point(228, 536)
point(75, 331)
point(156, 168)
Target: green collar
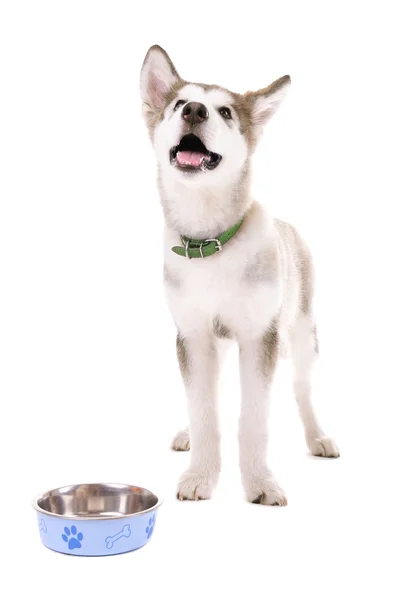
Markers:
point(204, 248)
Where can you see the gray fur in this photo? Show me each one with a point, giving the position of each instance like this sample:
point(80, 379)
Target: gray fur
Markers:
point(263, 267)
point(183, 357)
point(220, 330)
point(269, 350)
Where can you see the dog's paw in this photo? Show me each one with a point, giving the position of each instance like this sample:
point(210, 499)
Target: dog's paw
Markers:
point(181, 442)
point(324, 446)
point(194, 486)
point(260, 490)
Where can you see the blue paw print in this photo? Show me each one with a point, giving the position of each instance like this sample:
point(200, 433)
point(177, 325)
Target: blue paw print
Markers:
point(150, 527)
point(71, 537)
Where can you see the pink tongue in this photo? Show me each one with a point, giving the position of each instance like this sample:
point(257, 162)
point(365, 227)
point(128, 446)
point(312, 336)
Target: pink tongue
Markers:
point(193, 159)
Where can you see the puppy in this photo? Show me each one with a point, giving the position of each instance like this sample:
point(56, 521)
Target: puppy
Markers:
point(231, 271)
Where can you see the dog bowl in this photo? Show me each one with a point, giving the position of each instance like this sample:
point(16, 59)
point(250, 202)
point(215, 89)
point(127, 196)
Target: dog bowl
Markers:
point(96, 519)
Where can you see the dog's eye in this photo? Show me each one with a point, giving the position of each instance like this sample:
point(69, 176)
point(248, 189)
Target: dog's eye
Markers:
point(225, 112)
point(178, 104)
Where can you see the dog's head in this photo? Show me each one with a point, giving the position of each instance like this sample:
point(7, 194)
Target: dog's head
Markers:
point(202, 131)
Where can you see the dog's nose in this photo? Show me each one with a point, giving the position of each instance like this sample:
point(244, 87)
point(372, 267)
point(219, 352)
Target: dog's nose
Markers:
point(194, 112)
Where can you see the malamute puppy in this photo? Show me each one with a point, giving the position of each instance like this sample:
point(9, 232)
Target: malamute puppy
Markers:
point(231, 271)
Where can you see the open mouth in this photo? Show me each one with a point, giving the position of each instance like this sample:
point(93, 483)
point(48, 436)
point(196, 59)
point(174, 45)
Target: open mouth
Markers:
point(192, 155)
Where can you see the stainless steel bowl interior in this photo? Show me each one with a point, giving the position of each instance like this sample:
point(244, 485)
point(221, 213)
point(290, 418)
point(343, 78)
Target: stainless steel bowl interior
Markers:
point(96, 501)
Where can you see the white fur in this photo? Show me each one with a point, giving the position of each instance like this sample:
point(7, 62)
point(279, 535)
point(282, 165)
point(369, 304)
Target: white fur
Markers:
point(181, 441)
point(192, 207)
point(212, 288)
point(303, 361)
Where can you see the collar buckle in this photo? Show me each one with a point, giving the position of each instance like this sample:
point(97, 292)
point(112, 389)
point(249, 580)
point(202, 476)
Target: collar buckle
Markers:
point(217, 241)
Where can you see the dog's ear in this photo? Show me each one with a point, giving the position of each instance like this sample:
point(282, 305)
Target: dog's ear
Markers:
point(264, 103)
point(157, 77)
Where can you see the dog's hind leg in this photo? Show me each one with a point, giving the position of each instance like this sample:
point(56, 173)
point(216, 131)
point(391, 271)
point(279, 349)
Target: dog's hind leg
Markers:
point(304, 346)
point(181, 442)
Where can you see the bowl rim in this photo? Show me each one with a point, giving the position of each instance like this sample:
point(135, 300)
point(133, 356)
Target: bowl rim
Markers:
point(35, 503)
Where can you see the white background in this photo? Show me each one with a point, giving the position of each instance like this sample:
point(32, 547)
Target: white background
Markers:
point(90, 388)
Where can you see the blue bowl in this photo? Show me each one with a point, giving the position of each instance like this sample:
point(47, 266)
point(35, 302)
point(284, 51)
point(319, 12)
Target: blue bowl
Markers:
point(96, 519)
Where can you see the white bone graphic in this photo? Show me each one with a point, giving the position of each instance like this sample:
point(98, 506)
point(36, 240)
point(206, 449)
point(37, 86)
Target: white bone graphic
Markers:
point(111, 539)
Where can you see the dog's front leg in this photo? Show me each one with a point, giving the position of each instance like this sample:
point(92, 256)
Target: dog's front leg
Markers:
point(198, 361)
point(258, 359)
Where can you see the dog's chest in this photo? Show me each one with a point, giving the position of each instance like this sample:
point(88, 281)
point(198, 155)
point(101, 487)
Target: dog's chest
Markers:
point(201, 291)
